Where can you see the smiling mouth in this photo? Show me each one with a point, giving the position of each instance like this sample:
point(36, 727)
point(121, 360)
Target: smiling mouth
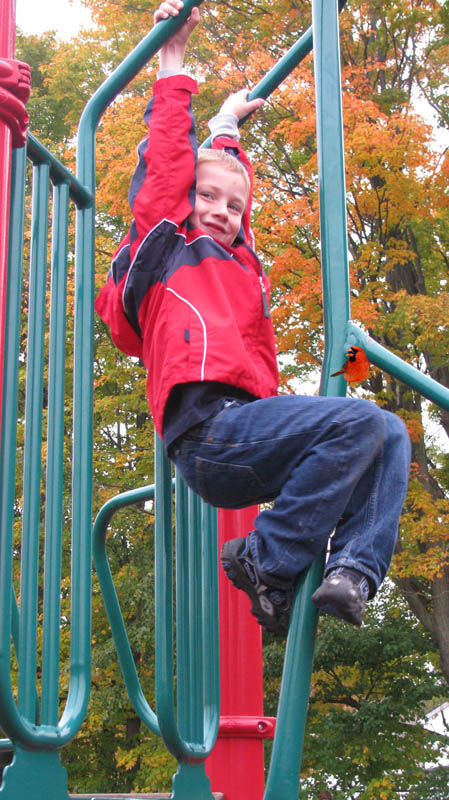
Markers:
point(216, 229)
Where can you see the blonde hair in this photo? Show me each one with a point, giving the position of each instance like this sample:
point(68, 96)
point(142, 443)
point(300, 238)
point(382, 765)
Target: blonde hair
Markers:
point(226, 160)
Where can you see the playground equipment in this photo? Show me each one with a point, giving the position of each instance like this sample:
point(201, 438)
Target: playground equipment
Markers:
point(189, 724)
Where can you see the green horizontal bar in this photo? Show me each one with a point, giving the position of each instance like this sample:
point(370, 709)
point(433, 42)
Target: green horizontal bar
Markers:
point(394, 365)
point(38, 154)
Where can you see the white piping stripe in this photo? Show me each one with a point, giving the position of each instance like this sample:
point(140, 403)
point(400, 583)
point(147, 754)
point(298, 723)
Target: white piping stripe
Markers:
point(202, 324)
point(140, 245)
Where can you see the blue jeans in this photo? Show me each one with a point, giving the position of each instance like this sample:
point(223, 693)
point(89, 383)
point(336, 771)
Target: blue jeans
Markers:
point(334, 466)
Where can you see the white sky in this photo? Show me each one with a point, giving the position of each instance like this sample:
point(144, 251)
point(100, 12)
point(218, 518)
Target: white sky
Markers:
point(37, 16)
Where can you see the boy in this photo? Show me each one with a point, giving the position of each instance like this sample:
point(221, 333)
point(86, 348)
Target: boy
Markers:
point(187, 294)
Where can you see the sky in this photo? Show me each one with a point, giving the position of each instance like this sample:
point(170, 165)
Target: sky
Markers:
point(37, 16)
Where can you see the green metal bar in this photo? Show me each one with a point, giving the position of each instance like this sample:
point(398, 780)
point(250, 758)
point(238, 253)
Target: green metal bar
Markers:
point(55, 455)
point(184, 577)
point(283, 775)
point(387, 361)
point(285, 764)
point(116, 82)
point(210, 614)
point(8, 605)
point(19, 724)
point(164, 607)
point(281, 70)
point(111, 602)
point(33, 443)
point(83, 359)
point(39, 154)
point(192, 618)
point(5, 744)
point(184, 751)
point(182, 603)
point(10, 718)
point(332, 191)
point(14, 725)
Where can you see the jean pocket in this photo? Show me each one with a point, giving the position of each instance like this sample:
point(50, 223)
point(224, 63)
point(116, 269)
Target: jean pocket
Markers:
point(228, 485)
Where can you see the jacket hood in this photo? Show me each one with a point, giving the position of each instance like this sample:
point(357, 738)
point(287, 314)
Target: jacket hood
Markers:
point(232, 146)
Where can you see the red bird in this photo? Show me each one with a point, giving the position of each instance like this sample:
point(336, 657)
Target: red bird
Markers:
point(356, 367)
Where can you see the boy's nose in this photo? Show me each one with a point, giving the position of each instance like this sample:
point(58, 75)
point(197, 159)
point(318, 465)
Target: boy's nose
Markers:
point(221, 208)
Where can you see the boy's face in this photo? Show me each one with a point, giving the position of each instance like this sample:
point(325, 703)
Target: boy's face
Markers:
point(221, 197)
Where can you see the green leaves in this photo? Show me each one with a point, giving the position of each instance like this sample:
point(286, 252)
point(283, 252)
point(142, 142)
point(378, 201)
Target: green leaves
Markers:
point(371, 687)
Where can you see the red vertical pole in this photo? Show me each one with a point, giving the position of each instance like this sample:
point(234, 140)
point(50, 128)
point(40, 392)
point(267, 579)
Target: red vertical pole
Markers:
point(7, 50)
point(236, 766)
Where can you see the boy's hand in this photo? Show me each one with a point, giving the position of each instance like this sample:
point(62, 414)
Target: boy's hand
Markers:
point(238, 105)
point(171, 54)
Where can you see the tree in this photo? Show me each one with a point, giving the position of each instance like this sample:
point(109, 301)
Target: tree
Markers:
point(398, 242)
point(371, 689)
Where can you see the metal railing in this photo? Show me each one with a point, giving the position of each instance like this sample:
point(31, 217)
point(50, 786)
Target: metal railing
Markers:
point(187, 703)
point(31, 722)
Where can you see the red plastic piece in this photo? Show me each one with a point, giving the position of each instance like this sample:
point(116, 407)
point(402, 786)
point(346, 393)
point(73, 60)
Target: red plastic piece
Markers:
point(7, 48)
point(14, 114)
point(15, 83)
point(236, 766)
point(15, 76)
point(247, 727)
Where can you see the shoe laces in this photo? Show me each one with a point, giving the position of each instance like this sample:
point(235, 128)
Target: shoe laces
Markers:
point(276, 596)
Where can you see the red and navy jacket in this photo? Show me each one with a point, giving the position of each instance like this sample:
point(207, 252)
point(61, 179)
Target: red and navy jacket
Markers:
point(191, 308)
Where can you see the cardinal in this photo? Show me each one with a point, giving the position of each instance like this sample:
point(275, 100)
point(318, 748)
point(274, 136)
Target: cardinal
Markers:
point(356, 366)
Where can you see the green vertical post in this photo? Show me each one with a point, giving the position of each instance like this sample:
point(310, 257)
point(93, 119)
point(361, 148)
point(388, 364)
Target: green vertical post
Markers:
point(55, 455)
point(33, 442)
point(283, 777)
point(8, 427)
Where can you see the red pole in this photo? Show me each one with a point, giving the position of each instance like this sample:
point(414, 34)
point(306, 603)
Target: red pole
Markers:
point(236, 766)
point(7, 50)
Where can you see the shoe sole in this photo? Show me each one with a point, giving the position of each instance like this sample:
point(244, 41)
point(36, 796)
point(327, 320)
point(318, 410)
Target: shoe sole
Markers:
point(240, 580)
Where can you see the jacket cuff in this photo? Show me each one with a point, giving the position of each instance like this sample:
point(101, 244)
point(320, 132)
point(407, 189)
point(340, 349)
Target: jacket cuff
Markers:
point(224, 125)
point(176, 81)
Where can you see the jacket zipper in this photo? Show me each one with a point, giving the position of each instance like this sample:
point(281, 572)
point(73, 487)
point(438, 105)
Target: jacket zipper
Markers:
point(266, 310)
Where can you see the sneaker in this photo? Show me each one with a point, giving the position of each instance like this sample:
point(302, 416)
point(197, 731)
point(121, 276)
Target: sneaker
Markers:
point(270, 604)
point(343, 593)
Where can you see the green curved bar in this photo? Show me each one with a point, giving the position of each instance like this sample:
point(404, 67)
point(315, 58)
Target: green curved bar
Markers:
point(55, 448)
point(206, 729)
point(186, 682)
point(112, 604)
point(83, 374)
point(196, 617)
point(39, 154)
point(113, 85)
point(33, 442)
